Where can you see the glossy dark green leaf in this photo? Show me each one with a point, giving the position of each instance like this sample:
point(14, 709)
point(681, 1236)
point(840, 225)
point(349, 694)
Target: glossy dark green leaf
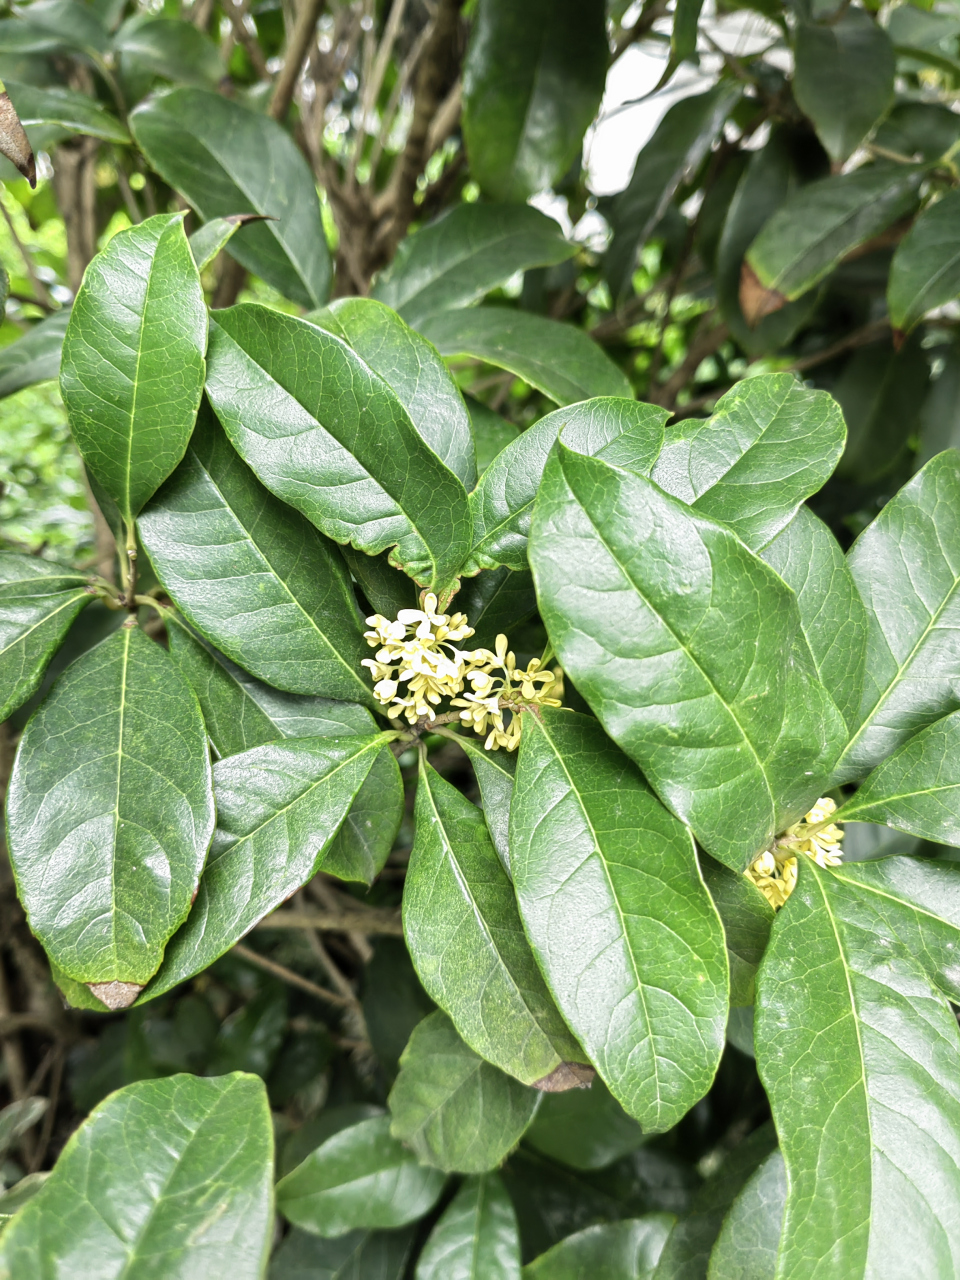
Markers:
point(491, 433)
point(110, 811)
point(746, 917)
point(168, 47)
point(387, 590)
point(917, 789)
point(496, 601)
point(808, 558)
point(131, 375)
point(844, 78)
point(466, 940)
point(38, 602)
point(207, 241)
point(253, 576)
point(532, 82)
point(816, 228)
point(311, 1135)
point(560, 360)
point(769, 445)
point(583, 1128)
point(35, 357)
point(622, 431)
point(279, 807)
point(359, 1255)
point(857, 1048)
point(640, 596)
point(681, 140)
point(361, 1177)
point(477, 1237)
point(240, 712)
point(328, 436)
point(466, 253)
point(495, 772)
point(749, 1238)
point(618, 916)
point(687, 1251)
point(918, 129)
point(165, 1180)
point(925, 272)
point(224, 158)
point(455, 1111)
point(906, 565)
point(74, 111)
point(627, 1250)
point(411, 366)
point(881, 392)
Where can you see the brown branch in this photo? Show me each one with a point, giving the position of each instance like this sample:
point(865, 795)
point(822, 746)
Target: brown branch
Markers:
point(297, 47)
point(705, 344)
point(370, 922)
point(373, 82)
point(39, 288)
point(292, 979)
point(46, 1132)
point(237, 13)
point(869, 333)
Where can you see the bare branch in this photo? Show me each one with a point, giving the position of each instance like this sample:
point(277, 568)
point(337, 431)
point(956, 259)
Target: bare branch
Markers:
point(297, 47)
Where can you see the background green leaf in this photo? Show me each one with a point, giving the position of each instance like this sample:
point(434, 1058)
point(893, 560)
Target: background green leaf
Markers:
point(476, 1238)
point(614, 1251)
point(750, 1236)
point(359, 1255)
point(35, 357)
point(925, 272)
point(583, 1128)
point(73, 111)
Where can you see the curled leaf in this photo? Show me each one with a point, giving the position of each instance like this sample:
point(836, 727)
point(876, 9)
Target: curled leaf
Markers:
point(14, 143)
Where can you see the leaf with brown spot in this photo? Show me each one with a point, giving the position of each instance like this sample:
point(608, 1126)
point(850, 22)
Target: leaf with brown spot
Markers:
point(755, 300)
point(569, 1075)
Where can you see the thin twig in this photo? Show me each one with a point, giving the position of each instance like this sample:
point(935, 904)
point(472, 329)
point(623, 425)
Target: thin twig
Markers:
point(403, 79)
point(374, 81)
point(287, 975)
point(297, 46)
point(367, 922)
point(869, 333)
point(46, 1133)
point(237, 13)
point(709, 341)
point(39, 287)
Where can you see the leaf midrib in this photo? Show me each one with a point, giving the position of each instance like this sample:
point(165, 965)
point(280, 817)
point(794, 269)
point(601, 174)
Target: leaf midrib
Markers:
point(24, 635)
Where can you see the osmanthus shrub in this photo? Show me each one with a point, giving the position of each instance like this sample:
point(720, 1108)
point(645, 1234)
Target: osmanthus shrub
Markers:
point(663, 789)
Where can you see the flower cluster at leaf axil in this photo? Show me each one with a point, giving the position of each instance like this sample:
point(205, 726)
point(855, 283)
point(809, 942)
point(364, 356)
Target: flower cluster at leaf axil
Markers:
point(775, 871)
point(419, 664)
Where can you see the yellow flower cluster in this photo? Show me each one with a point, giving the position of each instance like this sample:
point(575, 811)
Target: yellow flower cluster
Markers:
point(418, 664)
point(775, 871)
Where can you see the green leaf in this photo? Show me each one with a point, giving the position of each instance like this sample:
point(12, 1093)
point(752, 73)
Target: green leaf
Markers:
point(844, 78)
point(327, 435)
point(925, 272)
point(584, 1128)
point(818, 226)
point(599, 868)
point(110, 813)
point(687, 1251)
point(674, 153)
point(13, 1200)
point(165, 1178)
point(455, 1111)
point(168, 47)
point(621, 431)
point(495, 772)
point(361, 1177)
point(419, 378)
point(627, 1250)
point(808, 558)
point(496, 601)
point(857, 1048)
point(476, 1238)
point(131, 375)
point(359, 1255)
point(906, 565)
point(882, 393)
point(466, 941)
point(38, 603)
point(466, 253)
point(35, 357)
point(927, 129)
point(749, 1238)
point(253, 576)
point(747, 917)
point(558, 359)
point(917, 789)
point(224, 158)
point(640, 596)
point(207, 241)
point(491, 433)
point(388, 590)
point(770, 444)
point(75, 26)
point(240, 712)
point(74, 111)
point(532, 83)
point(17, 1118)
point(279, 807)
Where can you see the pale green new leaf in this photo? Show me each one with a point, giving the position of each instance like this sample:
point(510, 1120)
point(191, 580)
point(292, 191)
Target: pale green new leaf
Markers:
point(618, 917)
point(476, 1238)
point(329, 436)
point(857, 1048)
point(455, 1111)
point(110, 812)
point(558, 359)
point(165, 1180)
point(279, 807)
point(906, 566)
point(38, 602)
point(466, 253)
point(467, 944)
point(361, 1177)
point(131, 373)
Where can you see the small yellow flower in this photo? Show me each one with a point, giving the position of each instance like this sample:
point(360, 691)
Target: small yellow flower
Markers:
point(774, 872)
point(510, 691)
